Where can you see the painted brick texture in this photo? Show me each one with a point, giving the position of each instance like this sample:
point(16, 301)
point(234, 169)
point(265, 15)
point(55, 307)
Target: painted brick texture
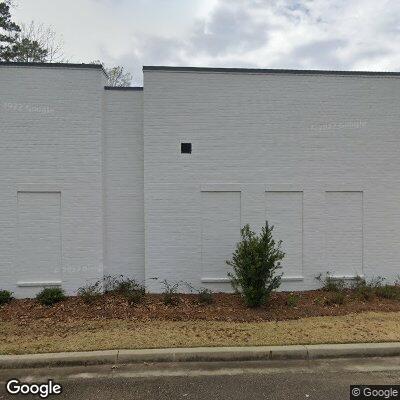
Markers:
point(123, 174)
point(51, 141)
point(273, 133)
point(317, 155)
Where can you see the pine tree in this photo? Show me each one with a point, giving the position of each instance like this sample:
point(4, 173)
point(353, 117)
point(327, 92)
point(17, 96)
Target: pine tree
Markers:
point(8, 33)
point(26, 50)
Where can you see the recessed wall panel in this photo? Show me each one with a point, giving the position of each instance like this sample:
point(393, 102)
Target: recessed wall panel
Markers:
point(344, 233)
point(39, 236)
point(284, 210)
point(220, 231)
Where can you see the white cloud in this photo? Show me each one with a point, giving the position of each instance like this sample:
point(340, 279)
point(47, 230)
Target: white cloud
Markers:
point(326, 34)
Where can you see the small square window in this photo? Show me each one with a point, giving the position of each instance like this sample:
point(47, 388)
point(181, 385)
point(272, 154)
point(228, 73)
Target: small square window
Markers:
point(186, 148)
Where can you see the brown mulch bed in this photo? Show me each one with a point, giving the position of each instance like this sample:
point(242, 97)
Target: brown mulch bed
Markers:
point(226, 307)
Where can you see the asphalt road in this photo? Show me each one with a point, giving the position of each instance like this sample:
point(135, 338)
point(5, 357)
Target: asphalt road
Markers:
point(280, 380)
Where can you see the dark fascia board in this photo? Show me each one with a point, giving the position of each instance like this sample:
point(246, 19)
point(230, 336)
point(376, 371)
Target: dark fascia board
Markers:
point(131, 88)
point(51, 65)
point(269, 71)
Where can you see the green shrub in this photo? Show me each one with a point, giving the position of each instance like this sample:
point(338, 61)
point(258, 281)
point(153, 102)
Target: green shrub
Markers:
point(388, 292)
point(335, 298)
point(135, 294)
point(50, 296)
point(362, 290)
point(118, 284)
point(366, 290)
point(170, 293)
point(331, 284)
point(205, 296)
point(90, 293)
point(5, 297)
point(255, 262)
point(292, 300)
point(132, 290)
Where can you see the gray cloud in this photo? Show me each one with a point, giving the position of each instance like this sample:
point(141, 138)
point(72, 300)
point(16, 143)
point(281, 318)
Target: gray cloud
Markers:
point(229, 29)
point(319, 53)
point(329, 34)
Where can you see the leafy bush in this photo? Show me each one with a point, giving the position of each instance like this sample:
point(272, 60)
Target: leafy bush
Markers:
point(361, 289)
point(118, 284)
point(90, 293)
point(292, 300)
point(388, 292)
point(331, 284)
point(255, 262)
point(135, 294)
point(366, 290)
point(132, 290)
point(50, 296)
point(170, 293)
point(335, 298)
point(205, 296)
point(5, 297)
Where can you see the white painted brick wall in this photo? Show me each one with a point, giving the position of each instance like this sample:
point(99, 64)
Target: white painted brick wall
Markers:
point(123, 169)
point(299, 137)
point(308, 133)
point(50, 141)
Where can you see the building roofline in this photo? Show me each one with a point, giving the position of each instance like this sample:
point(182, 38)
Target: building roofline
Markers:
point(129, 88)
point(51, 65)
point(269, 71)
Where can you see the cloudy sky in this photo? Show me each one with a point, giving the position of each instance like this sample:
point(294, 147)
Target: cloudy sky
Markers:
point(307, 34)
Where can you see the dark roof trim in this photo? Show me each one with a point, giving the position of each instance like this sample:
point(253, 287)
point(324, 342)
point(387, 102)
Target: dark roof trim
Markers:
point(51, 65)
point(132, 88)
point(269, 71)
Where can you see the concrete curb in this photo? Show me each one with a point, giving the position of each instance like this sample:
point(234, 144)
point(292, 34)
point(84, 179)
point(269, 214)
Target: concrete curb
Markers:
point(114, 357)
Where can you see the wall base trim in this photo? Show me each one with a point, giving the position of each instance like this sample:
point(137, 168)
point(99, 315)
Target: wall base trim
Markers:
point(39, 284)
point(227, 280)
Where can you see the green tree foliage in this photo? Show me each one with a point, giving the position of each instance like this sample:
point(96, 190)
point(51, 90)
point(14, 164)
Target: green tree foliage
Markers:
point(8, 32)
point(27, 43)
point(255, 263)
point(26, 50)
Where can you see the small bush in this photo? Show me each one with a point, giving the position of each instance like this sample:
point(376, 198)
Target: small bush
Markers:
point(205, 296)
point(133, 291)
point(335, 298)
point(366, 290)
point(362, 290)
point(292, 300)
point(119, 284)
point(5, 297)
point(331, 284)
point(255, 263)
point(388, 292)
point(50, 296)
point(90, 293)
point(170, 293)
point(135, 295)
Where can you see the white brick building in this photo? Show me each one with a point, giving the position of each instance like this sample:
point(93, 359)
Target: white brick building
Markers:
point(93, 180)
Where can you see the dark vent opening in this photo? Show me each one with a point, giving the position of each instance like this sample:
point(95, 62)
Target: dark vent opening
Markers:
point(186, 148)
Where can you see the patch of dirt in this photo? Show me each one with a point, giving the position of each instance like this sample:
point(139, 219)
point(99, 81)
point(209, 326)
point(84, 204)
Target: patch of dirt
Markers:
point(226, 307)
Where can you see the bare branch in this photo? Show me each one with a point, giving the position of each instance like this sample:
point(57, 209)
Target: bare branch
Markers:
point(46, 38)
